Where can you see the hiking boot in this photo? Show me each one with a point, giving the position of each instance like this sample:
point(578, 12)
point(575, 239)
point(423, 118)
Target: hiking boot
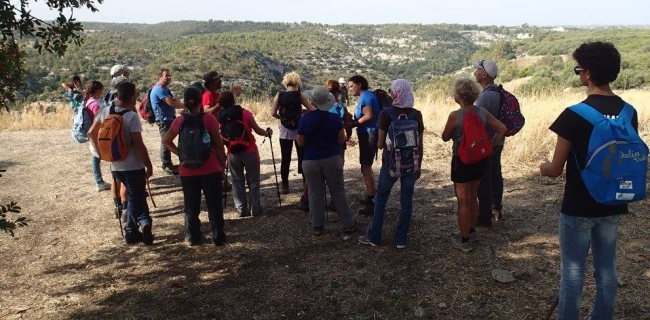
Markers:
point(303, 205)
point(351, 228)
point(171, 169)
point(319, 230)
point(220, 241)
point(365, 239)
point(102, 186)
point(368, 209)
point(472, 236)
point(133, 238)
point(458, 243)
point(147, 236)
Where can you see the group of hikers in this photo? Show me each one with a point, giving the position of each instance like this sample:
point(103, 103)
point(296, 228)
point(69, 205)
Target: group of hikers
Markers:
point(215, 135)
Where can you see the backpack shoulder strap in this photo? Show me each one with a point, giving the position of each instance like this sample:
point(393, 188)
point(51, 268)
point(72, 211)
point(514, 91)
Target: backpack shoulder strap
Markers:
point(627, 112)
point(391, 113)
point(587, 112)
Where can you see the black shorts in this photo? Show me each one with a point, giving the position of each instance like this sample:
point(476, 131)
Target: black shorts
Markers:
point(367, 148)
point(463, 173)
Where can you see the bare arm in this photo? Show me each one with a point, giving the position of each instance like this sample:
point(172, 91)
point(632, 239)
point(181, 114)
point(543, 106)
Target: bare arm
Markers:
point(497, 126)
point(305, 102)
point(141, 152)
point(300, 140)
point(555, 167)
point(367, 116)
point(67, 86)
point(341, 137)
point(450, 126)
point(174, 103)
point(274, 108)
point(253, 124)
point(93, 133)
point(212, 109)
point(381, 139)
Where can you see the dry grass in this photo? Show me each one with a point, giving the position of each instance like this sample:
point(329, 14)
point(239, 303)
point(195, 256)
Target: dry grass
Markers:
point(71, 263)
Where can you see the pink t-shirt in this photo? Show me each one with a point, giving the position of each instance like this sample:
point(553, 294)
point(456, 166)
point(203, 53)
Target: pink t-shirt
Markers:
point(93, 107)
point(211, 165)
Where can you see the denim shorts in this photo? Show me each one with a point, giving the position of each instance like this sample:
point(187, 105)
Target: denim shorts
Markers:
point(367, 148)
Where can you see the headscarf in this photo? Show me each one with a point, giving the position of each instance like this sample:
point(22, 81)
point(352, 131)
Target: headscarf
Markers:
point(403, 94)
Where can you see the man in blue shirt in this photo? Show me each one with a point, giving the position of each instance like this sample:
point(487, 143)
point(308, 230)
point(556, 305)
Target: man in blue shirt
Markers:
point(164, 107)
point(366, 114)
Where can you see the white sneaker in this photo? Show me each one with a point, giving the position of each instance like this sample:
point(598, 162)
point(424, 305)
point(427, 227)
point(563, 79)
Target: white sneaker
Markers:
point(462, 246)
point(472, 236)
point(103, 186)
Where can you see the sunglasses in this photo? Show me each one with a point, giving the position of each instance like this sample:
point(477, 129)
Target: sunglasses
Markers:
point(480, 64)
point(577, 70)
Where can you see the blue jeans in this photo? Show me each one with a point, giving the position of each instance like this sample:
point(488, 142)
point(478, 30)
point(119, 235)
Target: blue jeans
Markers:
point(210, 184)
point(384, 185)
point(95, 164)
point(137, 211)
point(165, 154)
point(577, 234)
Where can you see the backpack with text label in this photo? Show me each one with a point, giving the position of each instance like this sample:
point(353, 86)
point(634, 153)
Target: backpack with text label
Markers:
point(616, 165)
point(290, 108)
point(194, 145)
point(112, 143)
point(145, 109)
point(475, 145)
point(403, 143)
point(81, 122)
point(233, 129)
point(510, 111)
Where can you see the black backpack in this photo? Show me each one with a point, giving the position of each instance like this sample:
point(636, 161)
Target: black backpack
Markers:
point(290, 110)
point(193, 141)
point(385, 100)
point(233, 129)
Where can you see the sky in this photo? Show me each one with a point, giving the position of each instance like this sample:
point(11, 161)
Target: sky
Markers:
point(480, 12)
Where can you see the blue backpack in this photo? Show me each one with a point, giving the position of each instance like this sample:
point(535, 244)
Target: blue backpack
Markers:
point(617, 159)
point(81, 122)
point(402, 143)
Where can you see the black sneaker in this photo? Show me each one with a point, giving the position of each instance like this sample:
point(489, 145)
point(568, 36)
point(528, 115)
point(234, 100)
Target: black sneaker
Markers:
point(319, 230)
point(147, 236)
point(220, 241)
point(171, 169)
point(133, 238)
point(352, 228)
point(285, 188)
point(368, 209)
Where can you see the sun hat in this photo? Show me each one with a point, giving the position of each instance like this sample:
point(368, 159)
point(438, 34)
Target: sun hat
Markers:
point(321, 97)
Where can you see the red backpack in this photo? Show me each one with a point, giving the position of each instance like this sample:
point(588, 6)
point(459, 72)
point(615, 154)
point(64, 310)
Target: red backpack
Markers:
point(145, 109)
point(475, 144)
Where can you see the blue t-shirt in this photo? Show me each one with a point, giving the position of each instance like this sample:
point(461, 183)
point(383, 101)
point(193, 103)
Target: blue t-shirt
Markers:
point(338, 109)
point(162, 110)
point(321, 131)
point(367, 98)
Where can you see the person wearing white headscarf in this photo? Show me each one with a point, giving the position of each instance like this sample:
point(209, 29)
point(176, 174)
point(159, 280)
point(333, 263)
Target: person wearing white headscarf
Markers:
point(402, 106)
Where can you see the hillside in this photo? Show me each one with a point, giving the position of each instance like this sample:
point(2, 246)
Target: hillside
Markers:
point(260, 53)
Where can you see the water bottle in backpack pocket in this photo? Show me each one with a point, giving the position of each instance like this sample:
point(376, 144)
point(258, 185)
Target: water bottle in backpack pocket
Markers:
point(616, 165)
point(193, 147)
point(402, 143)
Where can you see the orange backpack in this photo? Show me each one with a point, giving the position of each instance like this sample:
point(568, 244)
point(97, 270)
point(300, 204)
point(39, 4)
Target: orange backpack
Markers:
point(112, 143)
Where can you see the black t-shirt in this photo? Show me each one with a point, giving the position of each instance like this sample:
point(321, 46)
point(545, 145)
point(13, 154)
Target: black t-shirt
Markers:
point(384, 119)
point(569, 125)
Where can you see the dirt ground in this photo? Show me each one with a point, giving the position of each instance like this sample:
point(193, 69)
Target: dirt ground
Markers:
point(71, 262)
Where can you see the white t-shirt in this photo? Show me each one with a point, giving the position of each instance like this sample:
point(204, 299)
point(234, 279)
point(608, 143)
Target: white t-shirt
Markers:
point(130, 123)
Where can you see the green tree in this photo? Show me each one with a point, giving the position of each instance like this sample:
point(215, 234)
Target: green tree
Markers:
point(17, 22)
point(8, 225)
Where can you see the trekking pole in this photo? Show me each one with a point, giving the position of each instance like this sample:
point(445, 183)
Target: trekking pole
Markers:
point(151, 194)
point(277, 186)
point(549, 313)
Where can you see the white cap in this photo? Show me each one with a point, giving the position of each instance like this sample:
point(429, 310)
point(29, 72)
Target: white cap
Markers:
point(119, 69)
point(341, 80)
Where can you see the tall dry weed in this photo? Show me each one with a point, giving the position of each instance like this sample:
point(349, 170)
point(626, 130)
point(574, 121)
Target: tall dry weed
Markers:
point(524, 149)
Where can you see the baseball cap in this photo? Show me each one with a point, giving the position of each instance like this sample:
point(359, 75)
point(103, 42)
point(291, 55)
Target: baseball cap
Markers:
point(119, 69)
point(117, 81)
point(321, 97)
point(341, 80)
point(489, 66)
point(210, 76)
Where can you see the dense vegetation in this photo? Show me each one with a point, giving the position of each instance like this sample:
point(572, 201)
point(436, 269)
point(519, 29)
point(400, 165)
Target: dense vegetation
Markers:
point(260, 53)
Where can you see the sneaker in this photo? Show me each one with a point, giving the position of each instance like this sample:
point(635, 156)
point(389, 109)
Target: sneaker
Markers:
point(365, 239)
point(303, 205)
point(351, 229)
point(400, 246)
point(147, 236)
point(220, 241)
point(458, 243)
point(193, 243)
point(319, 230)
point(102, 186)
point(497, 215)
point(473, 237)
point(133, 238)
point(171, 169)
